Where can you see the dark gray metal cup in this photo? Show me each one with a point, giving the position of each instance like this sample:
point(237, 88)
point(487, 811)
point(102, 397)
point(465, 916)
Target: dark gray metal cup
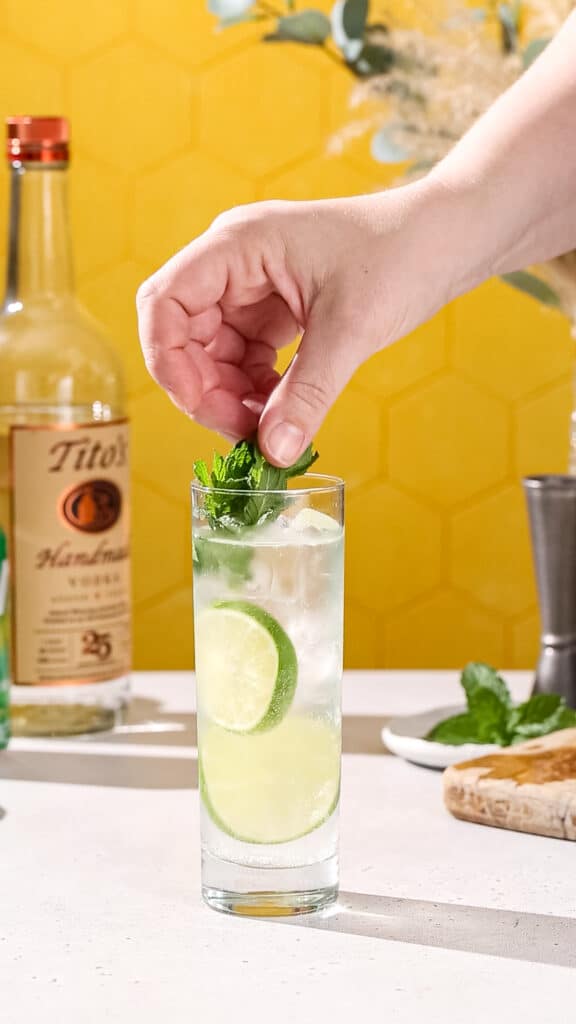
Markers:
point(552, 512)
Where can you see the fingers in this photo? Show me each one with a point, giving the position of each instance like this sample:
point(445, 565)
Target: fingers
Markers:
point(227, 345)
point(225, 413)
point(178, 314)
point(191, 333)
point(323, 365)
point(186, 373)
point(270, 321)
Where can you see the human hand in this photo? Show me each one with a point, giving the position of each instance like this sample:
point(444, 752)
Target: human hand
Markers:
point(352, 274)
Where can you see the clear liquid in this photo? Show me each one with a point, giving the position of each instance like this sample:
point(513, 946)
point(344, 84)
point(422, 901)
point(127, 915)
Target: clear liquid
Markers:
point(56, 710)
point(298, 579)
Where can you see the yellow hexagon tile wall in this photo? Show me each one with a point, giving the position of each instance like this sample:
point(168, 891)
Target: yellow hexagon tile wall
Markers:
point(184, 29)
point(161, 567)
point(355, 451)
point(67, 30)
point(513, 350)
point(131, 106)
point(29, 80)
point(542, 430)
point(256, 128)
point(399, 367)
point(491, 557)
point(322, 177)
point(168, 618)
point(109, 296)
point(355, 147)
point(166, 442)
point(180, 199)
point(525, 639)
point(363, 636)
point(448, 440)
point(174, 122)
point(99, 216)
point(393, 548)
point(450, 621)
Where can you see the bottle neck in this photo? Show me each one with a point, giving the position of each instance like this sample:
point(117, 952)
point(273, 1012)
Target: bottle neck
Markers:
point(39, 251)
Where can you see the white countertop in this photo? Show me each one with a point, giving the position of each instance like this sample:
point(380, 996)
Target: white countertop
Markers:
point(101, 922)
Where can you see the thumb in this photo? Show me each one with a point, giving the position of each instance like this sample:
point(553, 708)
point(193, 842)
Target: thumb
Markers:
point(321, 368)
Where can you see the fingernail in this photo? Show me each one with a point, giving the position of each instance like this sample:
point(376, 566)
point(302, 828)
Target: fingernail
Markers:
point(254, 405)
point(285, 443)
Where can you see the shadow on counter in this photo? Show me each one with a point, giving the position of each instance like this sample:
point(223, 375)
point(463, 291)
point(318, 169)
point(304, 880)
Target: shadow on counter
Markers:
point(512, 935)
point(147, 724)
point(82, 767)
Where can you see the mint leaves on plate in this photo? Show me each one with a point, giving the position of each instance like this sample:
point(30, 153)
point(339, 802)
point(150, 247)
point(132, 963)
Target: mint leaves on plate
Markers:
point(493, 718)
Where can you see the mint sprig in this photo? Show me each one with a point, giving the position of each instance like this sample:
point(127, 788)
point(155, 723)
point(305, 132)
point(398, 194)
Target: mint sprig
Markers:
point(493, 718)
point(237, 500)
point(247, 475)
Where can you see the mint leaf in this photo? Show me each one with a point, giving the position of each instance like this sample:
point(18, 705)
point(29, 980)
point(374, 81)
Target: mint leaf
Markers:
point(210, 556)
point(238, 464)
point(540, 715)
point(536, 709)
point(491, 716)
point(201, 473)
point(218, 470)
point(489, 702)
point(565, 718)
point(456, 730)
point(237, 500)
point(477, 677)
point(244, 469)
point(262, 507)
point(307, 459)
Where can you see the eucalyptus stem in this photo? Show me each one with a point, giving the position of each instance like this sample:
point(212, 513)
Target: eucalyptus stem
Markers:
point(336, 59)
point(270, 10)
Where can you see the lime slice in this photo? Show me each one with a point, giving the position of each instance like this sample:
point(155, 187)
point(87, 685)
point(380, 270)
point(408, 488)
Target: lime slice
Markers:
point(246, 666)
point(270, 787)
point(312, 519)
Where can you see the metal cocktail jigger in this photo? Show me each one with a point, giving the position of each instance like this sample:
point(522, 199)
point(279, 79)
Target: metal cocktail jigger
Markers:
point(552, 511)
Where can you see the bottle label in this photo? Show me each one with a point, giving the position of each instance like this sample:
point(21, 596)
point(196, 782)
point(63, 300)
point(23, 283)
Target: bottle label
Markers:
point(70, 553)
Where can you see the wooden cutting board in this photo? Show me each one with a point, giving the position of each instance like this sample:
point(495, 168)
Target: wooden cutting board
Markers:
point(530, 787)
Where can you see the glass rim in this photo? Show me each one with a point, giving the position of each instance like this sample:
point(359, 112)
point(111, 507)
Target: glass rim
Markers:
point(328, 485)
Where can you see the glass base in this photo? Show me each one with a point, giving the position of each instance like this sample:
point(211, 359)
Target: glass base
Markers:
point(268, 892)
point(67, 710)
point(269, 904)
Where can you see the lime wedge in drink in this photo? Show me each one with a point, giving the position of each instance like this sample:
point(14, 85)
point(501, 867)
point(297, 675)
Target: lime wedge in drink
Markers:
point(271, 787)
point(247, 666)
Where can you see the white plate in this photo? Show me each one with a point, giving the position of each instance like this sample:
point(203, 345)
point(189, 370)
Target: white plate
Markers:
point(404, 736)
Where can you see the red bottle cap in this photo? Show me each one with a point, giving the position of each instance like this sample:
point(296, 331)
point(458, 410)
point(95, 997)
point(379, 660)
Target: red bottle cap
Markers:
point(37, 139)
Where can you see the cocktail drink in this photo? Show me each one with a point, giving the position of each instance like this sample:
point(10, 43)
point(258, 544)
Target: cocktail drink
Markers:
point(268, 602)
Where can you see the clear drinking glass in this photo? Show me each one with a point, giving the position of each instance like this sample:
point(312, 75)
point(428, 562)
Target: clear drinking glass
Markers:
point(268, 616)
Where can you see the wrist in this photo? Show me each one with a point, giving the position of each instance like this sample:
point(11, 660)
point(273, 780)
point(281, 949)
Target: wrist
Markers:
point(439, 253)
point(465, 231)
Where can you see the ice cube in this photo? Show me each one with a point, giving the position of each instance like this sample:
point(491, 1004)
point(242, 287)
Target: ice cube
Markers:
point(311, 519)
